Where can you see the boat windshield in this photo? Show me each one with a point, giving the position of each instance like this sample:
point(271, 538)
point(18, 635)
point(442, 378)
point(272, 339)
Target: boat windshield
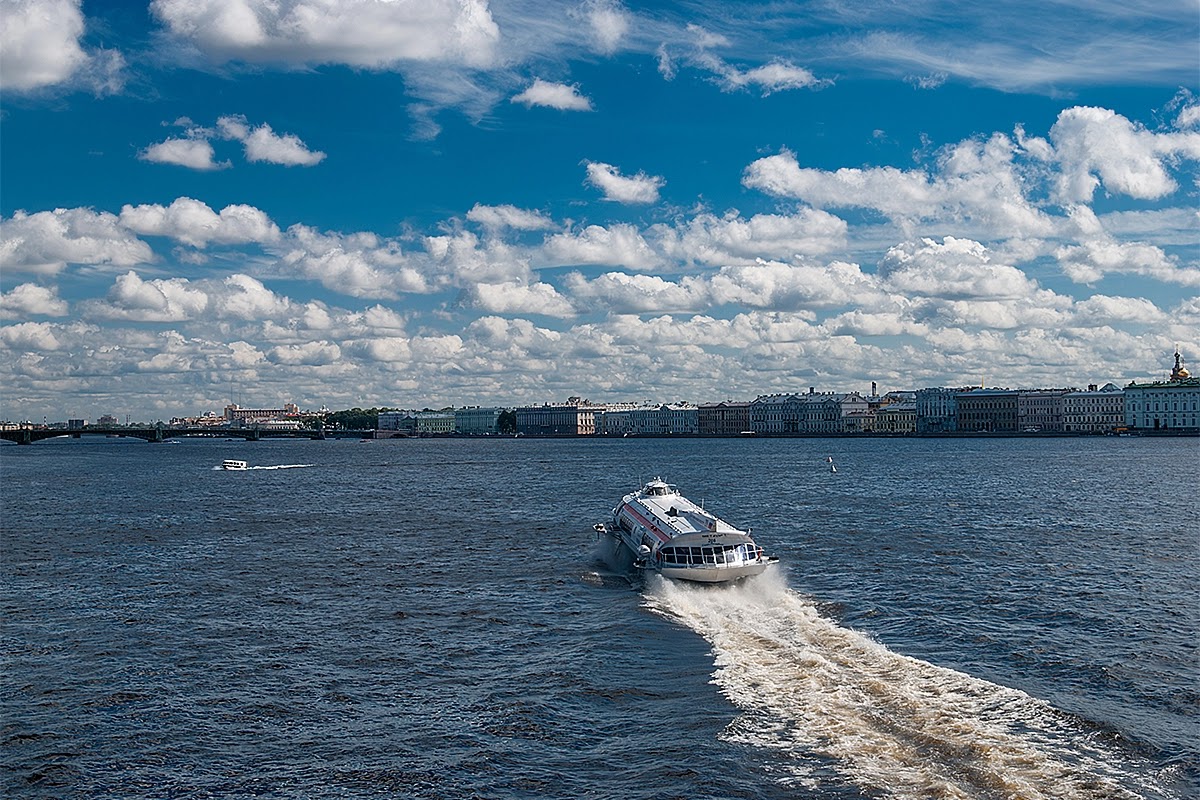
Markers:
point(710, 555)
point(659, 489)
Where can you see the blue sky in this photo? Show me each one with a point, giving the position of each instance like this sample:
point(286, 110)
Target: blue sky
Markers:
point(458, 202)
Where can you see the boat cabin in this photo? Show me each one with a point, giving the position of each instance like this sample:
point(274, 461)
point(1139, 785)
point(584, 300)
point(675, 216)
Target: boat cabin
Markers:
point(658, 488)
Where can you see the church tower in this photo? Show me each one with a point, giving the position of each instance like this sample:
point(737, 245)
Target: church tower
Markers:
point(1179, 373)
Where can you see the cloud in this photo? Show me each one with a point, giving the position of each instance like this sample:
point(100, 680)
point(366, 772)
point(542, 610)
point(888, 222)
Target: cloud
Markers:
point(132, 298)
point(29, 299)
point(358, 33)
point(792, 287)
point(639, 189)
point(975, 180)
point(461, 259)
point(1189, 116)
point(1107, 310)
point(506, 216)
point(46, 241)
point(955, 269)
point(188, 152)
point(1097, 253)
point(194, 223)
point(708, 239)
point(31, 336)
point(638, 294)
point(261, 143)
point(243, 297)
point(618, 245)
point(310, 354)
point(40, 48)
point(1095, 145)
point(518, 298)
point(356, 264)
point(776, 76)
point(609, 23)
point(764, 285)
point(553, 95)
point(1038, 48)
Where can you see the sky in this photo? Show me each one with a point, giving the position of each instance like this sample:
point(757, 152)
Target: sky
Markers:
point(430, 203)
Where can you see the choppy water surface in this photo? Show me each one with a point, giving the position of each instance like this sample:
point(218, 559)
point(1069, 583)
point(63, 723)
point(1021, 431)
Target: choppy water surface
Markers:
point(431, 619)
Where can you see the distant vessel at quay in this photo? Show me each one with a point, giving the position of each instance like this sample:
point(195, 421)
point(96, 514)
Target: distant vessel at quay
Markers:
point(667, 533)
point(233, 464)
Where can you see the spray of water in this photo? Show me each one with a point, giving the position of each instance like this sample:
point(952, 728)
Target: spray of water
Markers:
point(821, 695)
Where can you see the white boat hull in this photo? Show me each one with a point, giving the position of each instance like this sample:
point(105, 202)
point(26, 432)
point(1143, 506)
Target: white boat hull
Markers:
point(666, 533)
point(712, 574)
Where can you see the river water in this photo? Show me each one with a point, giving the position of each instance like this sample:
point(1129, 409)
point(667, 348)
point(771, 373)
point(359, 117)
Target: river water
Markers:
point(1009, 618)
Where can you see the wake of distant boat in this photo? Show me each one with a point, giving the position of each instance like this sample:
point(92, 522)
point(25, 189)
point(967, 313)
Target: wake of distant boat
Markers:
point(824, 697)
point(272, 466)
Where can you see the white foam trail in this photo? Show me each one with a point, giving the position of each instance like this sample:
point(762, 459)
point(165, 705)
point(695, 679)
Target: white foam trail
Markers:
point(888, 722)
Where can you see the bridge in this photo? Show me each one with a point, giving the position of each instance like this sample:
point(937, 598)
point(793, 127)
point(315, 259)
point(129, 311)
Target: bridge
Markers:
point(160, 433)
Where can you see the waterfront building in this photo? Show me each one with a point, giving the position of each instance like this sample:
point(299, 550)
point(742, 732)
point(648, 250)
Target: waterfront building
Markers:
point(859, 421)
point(668, 419)
point(76, 424)
point(576, 417)
point(986, 411)
point(393, 422)
point(1040, 410)
point(776, 414)
point(723, 419)
point(107, 420)
point(477, 421)
point(828, 412)
point(1095, 410)
point(236, 415)
point(897, 417)
point(414, 423)
point(618, 422)
point(937, 409)
point(1170, 405)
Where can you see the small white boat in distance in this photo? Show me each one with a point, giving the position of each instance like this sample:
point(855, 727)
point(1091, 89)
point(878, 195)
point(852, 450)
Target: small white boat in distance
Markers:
point(231, 463)
point(673, 536)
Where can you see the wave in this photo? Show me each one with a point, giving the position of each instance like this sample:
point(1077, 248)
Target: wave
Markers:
point(826, 696)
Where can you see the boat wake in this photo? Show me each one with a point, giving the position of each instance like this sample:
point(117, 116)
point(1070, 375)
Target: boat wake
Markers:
point(271, 466)
point(825, 697)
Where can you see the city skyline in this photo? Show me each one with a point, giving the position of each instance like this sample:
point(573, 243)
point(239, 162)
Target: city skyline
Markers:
point(351, 203)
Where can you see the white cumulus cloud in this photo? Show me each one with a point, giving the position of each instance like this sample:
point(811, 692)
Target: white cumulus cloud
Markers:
point(261, 143)
point(638, 189)
point(519, 298)
point(709, 239)
point(955, 269)
point(194, 223)
point(618, 245)
point(40, 47)
point(309, 354)
point(31, 336)
point(30, 299)
point(158, 300)
point(1095, 145)
point(508, 216)
point(46, 241)
point(360, 33)
point(190, 152)
point(553, 95)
